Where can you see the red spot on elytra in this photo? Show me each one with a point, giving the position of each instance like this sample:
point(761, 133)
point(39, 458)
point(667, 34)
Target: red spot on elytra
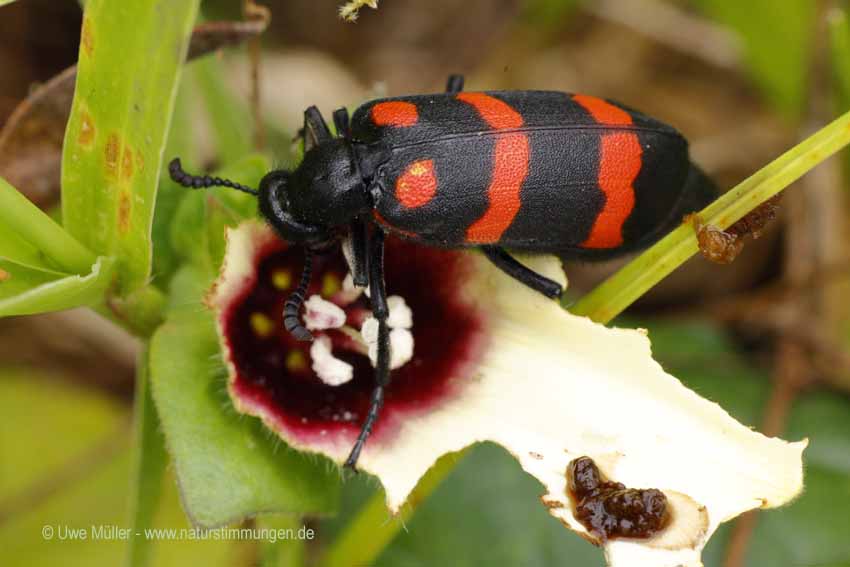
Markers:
point(449, 335)
point(417, 185)
point(510, 168)
point(394, 113)
point(620, 162)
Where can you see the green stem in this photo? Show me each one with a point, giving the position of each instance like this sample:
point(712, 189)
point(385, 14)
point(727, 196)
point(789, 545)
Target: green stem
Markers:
point(32, 224)
point(140, 312)
point(149, 461)
point(366, 536)
point(283, 552)
point(372, 530)
point(622, 289)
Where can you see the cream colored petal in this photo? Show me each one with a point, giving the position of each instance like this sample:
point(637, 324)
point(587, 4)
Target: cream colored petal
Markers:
point(552, 387)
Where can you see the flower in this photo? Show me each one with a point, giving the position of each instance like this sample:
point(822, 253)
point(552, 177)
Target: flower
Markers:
point(489, 359)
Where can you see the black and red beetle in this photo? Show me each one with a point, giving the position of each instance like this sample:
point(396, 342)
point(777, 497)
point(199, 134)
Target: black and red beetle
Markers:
point(536, 171)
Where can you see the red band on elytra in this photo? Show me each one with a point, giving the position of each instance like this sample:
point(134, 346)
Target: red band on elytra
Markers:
point(620, 162)
point(510, 168)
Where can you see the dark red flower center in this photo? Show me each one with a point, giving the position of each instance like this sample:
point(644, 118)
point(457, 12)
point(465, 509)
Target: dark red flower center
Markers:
point(274, 371)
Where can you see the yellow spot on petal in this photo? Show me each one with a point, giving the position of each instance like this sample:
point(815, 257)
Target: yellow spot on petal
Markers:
point(296, 361)
point(281, 279)
point(330, 285)
point(4, 275)
point(261, 324)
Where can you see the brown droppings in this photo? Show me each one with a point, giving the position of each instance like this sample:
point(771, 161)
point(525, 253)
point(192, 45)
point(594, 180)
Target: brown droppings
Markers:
point(4, 275)
point(608, 509)
point(87, 37)
point(87, 131)
point(719, 246)
point(127, 164)
point(124, 206)
point(723, 246)
point(111, 154)
point(535, 455)
point(753, 223)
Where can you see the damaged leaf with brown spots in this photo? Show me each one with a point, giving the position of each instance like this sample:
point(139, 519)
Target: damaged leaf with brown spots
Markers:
point(128, 70)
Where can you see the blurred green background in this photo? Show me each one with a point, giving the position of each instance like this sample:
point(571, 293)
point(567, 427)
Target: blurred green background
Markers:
point(766, 337)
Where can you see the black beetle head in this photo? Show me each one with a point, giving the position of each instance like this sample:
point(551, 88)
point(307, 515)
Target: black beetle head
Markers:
point(326, 191)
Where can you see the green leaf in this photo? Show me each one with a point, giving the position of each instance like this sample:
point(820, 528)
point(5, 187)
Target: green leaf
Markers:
point(198, 227)
point(24, 290)
point(69, 460)
point(180, 144)
point(839, 36)
point(4, 2)
point(487, 512)
point(231, 122)
point(228, 465)
point(813, 529)
point(777, 39)
point(28, 236)
point(284, 552)
point(148, 465)
point(70, 442)
point(129, 62)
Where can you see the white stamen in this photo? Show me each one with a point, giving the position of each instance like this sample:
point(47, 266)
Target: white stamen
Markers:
point(401, 316)
point(350, 292)
point(320, 314)
point(400, 320)
point(369, 331)
point(331, 370)
point(401, 343)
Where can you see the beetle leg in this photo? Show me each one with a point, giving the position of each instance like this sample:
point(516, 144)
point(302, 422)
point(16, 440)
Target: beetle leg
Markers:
point(454, 84)
point(380, 311)
point(342, 123)
point(315, 129)
point(359, 253)
point(508, 264)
